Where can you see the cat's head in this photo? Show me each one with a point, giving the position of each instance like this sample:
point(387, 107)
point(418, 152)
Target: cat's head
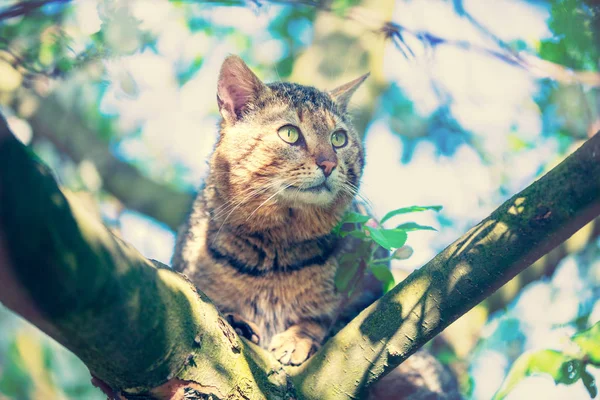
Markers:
point(285, 143)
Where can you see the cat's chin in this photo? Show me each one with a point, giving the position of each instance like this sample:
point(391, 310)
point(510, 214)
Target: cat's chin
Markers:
point(320, 195)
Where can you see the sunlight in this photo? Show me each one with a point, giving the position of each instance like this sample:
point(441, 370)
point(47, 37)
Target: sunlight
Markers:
point(10, 78)
point(543, 387)
point(152, 14)
point(461, 270)
point(488, 372)
point(86, 15)
point(517, 207)
point(148, 237)
point(527, 20)
point(21, 129)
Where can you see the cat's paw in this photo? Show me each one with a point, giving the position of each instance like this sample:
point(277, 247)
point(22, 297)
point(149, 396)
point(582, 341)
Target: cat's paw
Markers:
point(292, 347)
point(244, 328)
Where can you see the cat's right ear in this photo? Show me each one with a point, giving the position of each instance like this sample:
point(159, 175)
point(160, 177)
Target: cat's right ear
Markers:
point(238, 87)
point(341, 95)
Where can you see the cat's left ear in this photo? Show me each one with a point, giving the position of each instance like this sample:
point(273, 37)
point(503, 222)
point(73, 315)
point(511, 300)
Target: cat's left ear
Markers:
point(342, 94)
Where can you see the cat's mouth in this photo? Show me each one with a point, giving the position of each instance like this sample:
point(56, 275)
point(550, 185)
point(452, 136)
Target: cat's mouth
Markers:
point(318, 194)
point(313, 189)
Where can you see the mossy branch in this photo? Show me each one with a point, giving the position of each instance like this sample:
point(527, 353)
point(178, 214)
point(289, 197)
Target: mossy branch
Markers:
point(136, 324)
point(142, 328)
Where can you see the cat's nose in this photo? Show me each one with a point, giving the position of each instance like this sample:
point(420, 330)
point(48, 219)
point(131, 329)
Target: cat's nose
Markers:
point(327, 166)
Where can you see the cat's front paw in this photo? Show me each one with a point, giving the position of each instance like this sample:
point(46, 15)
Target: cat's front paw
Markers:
point(293, 347)
point(244, 328)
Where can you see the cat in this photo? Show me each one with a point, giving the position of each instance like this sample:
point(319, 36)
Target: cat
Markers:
point(259, 241)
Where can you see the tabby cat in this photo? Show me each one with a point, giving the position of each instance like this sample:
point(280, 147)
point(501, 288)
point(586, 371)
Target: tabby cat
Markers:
point(258, 242)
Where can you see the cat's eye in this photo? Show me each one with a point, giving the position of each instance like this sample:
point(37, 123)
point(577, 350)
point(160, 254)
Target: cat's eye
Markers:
point(289, 134)
point(339, 138)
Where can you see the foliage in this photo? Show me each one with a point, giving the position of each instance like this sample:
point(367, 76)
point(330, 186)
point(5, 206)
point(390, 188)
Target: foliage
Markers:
point(34, 366)
point(565, 368)
point(573, 43)
point(372, 236)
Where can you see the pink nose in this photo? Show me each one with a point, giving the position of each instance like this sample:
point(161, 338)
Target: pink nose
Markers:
point(327, 166)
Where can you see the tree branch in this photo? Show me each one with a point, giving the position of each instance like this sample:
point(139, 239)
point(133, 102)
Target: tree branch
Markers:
point(545, 266)
point(519, 232)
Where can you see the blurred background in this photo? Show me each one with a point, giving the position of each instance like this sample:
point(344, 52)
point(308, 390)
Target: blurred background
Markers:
point(468, 102)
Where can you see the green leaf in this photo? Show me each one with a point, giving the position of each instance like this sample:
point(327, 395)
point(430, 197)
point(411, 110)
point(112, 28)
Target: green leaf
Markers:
point(570, 371)
point(348, 265)
point(589, 342)
point(383, 274)
point(337, 230)
point(340, 7)
point(387, 238)
point(355, 233)
point(352, 217)
point(590, 383)
point(516, 143)
point(406, 210)
point(412, 226)
point(560, 366)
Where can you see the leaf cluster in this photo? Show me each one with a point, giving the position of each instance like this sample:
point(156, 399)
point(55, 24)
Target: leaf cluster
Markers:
point(372, 236)
point(565, 367)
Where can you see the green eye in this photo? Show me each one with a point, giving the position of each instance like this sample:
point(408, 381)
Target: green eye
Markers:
point(339, 138)
point(289, 134)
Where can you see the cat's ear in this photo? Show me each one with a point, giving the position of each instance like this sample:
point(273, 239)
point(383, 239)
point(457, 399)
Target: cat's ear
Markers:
point(238, 87)
point(342, 94)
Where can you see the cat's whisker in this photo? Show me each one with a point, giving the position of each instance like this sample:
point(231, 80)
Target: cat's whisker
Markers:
point(245, 195)
point(243, 201)
point(357, 193)
point(239, 202)
point(226, 206)
point(353, 192)
point(226, 218)
point(269, 198)
point(348, 191)
point(248, 192)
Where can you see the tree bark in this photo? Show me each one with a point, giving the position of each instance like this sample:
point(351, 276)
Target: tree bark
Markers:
point(142, 328)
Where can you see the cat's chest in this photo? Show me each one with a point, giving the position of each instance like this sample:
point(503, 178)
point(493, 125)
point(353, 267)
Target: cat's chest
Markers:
point(261, 254)
point(280, 300)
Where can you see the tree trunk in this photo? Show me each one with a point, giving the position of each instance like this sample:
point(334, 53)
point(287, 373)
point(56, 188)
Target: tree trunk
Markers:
point(143, 329)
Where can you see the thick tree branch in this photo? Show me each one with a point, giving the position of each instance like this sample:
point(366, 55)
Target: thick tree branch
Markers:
point(514, 236)
point(545, 266)
point(143, 328)
point(135, 325)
